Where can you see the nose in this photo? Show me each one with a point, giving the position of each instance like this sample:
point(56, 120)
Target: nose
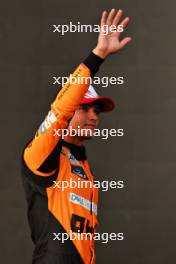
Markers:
point(92, 115)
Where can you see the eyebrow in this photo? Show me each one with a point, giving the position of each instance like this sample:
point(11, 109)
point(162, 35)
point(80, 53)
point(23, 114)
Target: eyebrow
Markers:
point(88, 105)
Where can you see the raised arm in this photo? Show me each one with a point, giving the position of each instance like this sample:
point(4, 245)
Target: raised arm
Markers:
point(41, 155)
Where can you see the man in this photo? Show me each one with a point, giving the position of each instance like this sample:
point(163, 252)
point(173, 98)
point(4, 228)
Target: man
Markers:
point(49, 160)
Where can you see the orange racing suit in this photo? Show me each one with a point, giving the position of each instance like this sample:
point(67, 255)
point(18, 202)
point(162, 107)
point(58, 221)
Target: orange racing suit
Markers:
point(47, 160)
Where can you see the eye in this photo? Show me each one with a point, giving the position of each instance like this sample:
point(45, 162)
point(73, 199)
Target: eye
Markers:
point(84, 108)
point(97, 110)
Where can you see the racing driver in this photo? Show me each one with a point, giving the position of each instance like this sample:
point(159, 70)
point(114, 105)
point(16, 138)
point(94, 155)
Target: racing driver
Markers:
point(49, 159)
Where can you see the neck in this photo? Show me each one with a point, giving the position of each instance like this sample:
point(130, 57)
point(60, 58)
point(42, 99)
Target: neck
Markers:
point(73, 140)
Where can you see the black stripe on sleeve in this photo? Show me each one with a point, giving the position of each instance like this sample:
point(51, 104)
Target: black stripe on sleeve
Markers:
point(93, 62)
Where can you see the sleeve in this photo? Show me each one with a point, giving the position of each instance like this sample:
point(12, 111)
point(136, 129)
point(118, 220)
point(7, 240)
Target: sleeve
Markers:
point(41, 154)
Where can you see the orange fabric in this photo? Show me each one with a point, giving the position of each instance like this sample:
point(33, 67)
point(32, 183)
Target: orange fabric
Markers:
point(61, 203)
point(62, 109)
point(63, 208)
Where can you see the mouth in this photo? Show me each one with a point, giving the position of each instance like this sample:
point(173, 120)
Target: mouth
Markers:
point(91, 126)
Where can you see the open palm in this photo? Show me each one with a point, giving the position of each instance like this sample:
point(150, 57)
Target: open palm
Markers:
point(110, 42)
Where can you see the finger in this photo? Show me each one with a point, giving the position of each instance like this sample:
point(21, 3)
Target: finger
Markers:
point(124, 42)
point(117, 17)
point(103, 18)
point(110, 17)
point(123, 24)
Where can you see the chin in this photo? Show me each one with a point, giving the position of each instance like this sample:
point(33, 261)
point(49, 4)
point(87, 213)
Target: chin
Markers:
point(87, 137)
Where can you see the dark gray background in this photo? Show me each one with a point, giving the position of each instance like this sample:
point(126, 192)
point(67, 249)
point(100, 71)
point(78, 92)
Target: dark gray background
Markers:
point(30, 55)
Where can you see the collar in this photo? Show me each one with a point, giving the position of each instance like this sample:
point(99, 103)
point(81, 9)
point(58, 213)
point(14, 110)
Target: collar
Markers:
point(79, 152)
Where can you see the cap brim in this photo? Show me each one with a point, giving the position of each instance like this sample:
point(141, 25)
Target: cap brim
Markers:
point(106, 103)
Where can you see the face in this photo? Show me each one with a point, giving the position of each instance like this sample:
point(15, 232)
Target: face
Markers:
point(86, 118)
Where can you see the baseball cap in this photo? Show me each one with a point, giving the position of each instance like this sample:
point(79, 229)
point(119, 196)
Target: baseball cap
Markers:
point(106, 103)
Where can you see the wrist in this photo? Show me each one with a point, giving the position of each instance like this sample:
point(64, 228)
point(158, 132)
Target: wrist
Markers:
point(100, 52)
point(93, 62)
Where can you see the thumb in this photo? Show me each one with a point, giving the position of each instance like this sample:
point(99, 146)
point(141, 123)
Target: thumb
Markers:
point(124, 42)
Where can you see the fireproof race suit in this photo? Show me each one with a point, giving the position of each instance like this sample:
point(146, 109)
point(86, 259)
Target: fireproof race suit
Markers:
point(49, 160)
